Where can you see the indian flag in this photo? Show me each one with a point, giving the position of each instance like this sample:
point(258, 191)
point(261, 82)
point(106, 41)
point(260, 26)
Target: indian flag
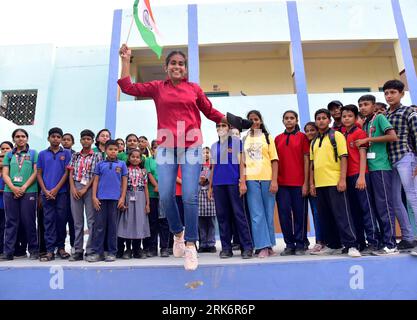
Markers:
point(145, 22)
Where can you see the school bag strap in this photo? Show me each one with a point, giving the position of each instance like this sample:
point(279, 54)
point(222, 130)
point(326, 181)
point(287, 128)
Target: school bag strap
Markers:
point(331, 133)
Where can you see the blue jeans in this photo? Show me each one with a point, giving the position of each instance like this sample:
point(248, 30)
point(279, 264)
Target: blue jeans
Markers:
point(261, 204)
point(403, 175)
point(189, 159)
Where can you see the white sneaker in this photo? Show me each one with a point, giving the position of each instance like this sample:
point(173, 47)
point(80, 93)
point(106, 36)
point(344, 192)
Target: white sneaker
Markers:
point(386, 251)
point(191, 260)
point(354, 253)
point(178, 248)
point(72, 251)
point(413, 252)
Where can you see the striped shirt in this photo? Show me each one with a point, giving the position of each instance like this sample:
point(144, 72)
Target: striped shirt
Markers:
point(82, 166)
point(404, 122)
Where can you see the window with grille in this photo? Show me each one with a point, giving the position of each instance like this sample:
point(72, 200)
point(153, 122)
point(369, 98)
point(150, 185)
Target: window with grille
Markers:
point(19, 106)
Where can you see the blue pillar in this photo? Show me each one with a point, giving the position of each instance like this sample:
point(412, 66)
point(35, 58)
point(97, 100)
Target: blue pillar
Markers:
point(193, 52)
point(111, 105)
point(298, 63)
point(410, 71)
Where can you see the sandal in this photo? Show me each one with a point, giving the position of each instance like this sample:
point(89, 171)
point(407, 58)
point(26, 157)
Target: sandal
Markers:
point(47, 257)
point(63, 254)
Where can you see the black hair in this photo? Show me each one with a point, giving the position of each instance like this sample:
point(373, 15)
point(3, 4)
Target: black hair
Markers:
point(71, 136)
point(154, 142)
point(334, 103)
point(143, 137)
point(381, 105)
point(173, 53)
point(87, 132)
point(367, 97)
point(297, 127)
point(55, 130)
point(208, 148)
point(263, 128)
point(394, 84)
point(21, 130)
point(98, 135)
point(141, 164)
point(120, 139)
point(351, 108)
point(111, 143)
point(131, 135)
point(8, 143)
point(146, 152)
point(311, 123)
point(325, 111)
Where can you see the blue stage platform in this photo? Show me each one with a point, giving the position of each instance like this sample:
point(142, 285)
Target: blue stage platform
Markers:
point(308, 277)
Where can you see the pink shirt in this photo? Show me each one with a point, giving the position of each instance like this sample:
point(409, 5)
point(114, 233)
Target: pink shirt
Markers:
point(177, 108)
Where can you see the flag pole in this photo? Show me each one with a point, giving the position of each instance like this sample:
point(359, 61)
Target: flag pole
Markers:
point(130, 29)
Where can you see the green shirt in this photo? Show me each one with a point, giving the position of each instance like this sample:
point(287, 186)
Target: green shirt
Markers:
point(122, 156)
point(25, 172)
point(378, 127)
point(150, 166)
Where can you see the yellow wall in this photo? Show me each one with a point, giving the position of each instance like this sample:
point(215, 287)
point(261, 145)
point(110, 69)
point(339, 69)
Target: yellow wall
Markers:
point(253, 77)
point(334, 74)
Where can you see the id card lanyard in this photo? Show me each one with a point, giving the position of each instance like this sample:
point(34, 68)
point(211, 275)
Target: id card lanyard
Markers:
point(134, 181)
point(18, 177)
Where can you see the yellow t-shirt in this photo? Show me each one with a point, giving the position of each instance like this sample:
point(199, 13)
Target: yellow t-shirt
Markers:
point(326, 169)
point(258, 157)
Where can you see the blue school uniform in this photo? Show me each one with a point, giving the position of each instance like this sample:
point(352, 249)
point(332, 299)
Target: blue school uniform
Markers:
point(110, 174)
point(229, 204)
point(53, 166)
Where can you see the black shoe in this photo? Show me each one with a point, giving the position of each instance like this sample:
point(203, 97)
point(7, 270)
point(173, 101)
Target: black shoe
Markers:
point(202, 250)
point(211, 249)
point(287, 252)
point(20, 255)
point(127, 254)
point(164, 253)
point(34, 256)
point(151, 254)
point(300, 252)
point(236, 247)
point(119, 255)
point(405, 246)
point(344, 251)
point(247, 254)
point(78, 256)
point(6, 257)
point(170, 251)
point(368, 250)
point(139, 254)
point(224, 254)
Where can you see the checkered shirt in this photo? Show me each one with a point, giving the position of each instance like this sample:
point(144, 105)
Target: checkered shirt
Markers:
point(88, 163)
point(135, 173)
point(404, 122)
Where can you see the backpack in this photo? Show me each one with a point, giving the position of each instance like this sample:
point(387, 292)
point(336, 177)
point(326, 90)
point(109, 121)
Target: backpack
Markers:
point(332, 138)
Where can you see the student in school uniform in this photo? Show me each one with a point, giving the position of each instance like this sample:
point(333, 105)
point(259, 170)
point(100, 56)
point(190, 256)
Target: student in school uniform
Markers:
point(206, 208)
point(52, 177)
point(328, 166)
point(81, 173)
point(158, 225)
point(403, 158)
point(2, 214)
point(293, 168)
point(380, 108)
point(311, 131)
point(379, 132)
point(226, 155)
point(68, 142)
point(102, 137)
point(144, 146)
point(260, 182)
point(109, 195)
point(21, 242)
point(359, 192)
point(335, 108)
point(133, 223)
point(20, 195)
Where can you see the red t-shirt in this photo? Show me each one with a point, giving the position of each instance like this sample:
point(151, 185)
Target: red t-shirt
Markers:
point(353, 150)
point(291, 158)
point(175, 105)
